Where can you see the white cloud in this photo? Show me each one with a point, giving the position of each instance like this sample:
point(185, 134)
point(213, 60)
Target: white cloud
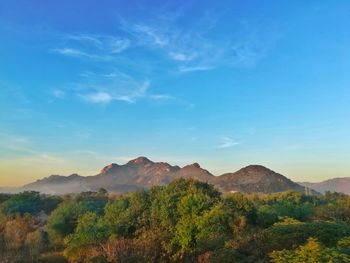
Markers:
point(114, 86)
point(74, 52)
point(99, 47)
point(180, 49)
point(191, 47)
point(70, 52)
point(181, 56)
point(97, 97)
point(227, 142)
point(185, 48)
point(160, 97)
point(149, 35)
point(191, 69)
point(107, 43)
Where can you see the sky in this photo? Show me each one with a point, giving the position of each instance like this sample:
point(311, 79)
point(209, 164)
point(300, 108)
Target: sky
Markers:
point(223, 83)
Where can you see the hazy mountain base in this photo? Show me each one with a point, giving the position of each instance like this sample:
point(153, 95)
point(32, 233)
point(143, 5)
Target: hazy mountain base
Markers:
point(186, 221)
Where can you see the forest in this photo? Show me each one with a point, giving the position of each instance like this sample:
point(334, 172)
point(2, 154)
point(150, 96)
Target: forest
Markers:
point(184, 221)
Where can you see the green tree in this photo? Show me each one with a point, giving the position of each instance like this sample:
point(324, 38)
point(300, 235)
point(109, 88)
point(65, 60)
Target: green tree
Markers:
point(85, 244)
point(128, 214)
point(63, 220)
point(290, 233)
point(28, 202)
point(311, 252)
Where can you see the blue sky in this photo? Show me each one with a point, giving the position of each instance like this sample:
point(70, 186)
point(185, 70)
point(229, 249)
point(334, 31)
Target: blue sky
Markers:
point(87, 83)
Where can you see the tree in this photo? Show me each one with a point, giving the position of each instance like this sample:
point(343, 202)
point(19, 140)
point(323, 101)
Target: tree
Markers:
point(215, 227)
point(85, 244)
point(311, 252)
point(27, 202)
point(63, 220)
point(191, 226)
point(336, 208)
point(288, 204)
point(22, 240)
point(290, 233)
point(36, 242)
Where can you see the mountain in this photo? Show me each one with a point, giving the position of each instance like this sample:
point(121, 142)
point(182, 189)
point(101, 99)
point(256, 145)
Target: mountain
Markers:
point(58, 184)
point(193, 171)
point(144, 173)
point(341, 185)
point(257, 179)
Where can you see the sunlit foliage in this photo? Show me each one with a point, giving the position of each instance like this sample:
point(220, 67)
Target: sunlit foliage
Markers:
point(185, 221)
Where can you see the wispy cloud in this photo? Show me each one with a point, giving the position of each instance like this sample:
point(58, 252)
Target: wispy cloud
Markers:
point(187, 49)
point(15, 143)
point(99, 47)
point(185, 69)
point(227, 142)
point(193, 47)
point(97, 97)
point(109, 43)
point(24, 148)
point(182, 56)
point(172, 46)
point(71, 52)
point(114, 86)
point(190, 48)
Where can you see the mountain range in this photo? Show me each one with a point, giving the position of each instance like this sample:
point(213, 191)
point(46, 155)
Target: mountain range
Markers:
point(341, 185)
point(143, 173)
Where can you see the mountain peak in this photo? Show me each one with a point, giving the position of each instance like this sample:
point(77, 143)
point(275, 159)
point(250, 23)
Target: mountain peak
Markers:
point(255, 168)
point(140, 160)
point(108, 168)
point(194, 165)
point(75, 175)
point(256, 178)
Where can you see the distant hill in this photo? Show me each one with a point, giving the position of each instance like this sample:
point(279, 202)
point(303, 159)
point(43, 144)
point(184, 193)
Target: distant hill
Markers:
point(341, 185)
point(256, 179)
point(144, 173)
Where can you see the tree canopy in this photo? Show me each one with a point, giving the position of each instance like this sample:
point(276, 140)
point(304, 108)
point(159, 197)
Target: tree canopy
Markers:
point(185, 221)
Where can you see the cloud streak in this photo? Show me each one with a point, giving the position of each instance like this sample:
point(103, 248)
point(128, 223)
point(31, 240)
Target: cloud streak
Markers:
point(193, 47)
point(115, 86)
point(186, 49)
point(172, 49)
point(23, 146)
point(227, 142)
point(98, 47)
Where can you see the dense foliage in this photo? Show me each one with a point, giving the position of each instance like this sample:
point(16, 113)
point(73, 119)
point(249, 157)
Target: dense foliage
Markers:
point(185, 221)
